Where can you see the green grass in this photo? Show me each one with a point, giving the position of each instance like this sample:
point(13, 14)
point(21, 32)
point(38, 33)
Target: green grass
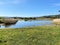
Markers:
point(44, 35)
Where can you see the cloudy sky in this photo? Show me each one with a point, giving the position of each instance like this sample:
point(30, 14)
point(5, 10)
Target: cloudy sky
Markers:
point(29, 8)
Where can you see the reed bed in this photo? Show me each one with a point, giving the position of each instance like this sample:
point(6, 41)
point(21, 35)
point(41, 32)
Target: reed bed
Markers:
point(56, 21)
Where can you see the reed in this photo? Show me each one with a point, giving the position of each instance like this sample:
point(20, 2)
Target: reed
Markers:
point(9, 21)
point(56, 21)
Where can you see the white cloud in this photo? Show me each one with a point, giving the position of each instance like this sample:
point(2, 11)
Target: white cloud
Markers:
point(11, 1)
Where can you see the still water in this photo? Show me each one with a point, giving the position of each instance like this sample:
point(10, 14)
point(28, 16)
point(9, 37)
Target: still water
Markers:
point(30, 23)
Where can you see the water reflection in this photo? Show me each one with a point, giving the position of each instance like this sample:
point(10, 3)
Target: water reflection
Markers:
point(27, 23)
point(7, 24)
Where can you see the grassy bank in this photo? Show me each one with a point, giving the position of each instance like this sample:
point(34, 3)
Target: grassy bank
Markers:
point(44, 35)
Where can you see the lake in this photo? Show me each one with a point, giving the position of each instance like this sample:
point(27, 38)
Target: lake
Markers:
point(29, 23)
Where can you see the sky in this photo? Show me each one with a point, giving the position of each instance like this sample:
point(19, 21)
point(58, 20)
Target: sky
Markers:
point(29, 8)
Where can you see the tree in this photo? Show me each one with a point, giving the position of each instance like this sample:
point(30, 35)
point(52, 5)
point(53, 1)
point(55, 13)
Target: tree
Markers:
point(59, 11)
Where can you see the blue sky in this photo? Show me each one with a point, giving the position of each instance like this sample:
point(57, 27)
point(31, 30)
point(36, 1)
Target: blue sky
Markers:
point(29, 8)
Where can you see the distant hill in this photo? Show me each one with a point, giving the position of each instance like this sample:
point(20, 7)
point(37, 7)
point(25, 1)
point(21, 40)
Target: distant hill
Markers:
point(33, 18)
point(51, 16)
